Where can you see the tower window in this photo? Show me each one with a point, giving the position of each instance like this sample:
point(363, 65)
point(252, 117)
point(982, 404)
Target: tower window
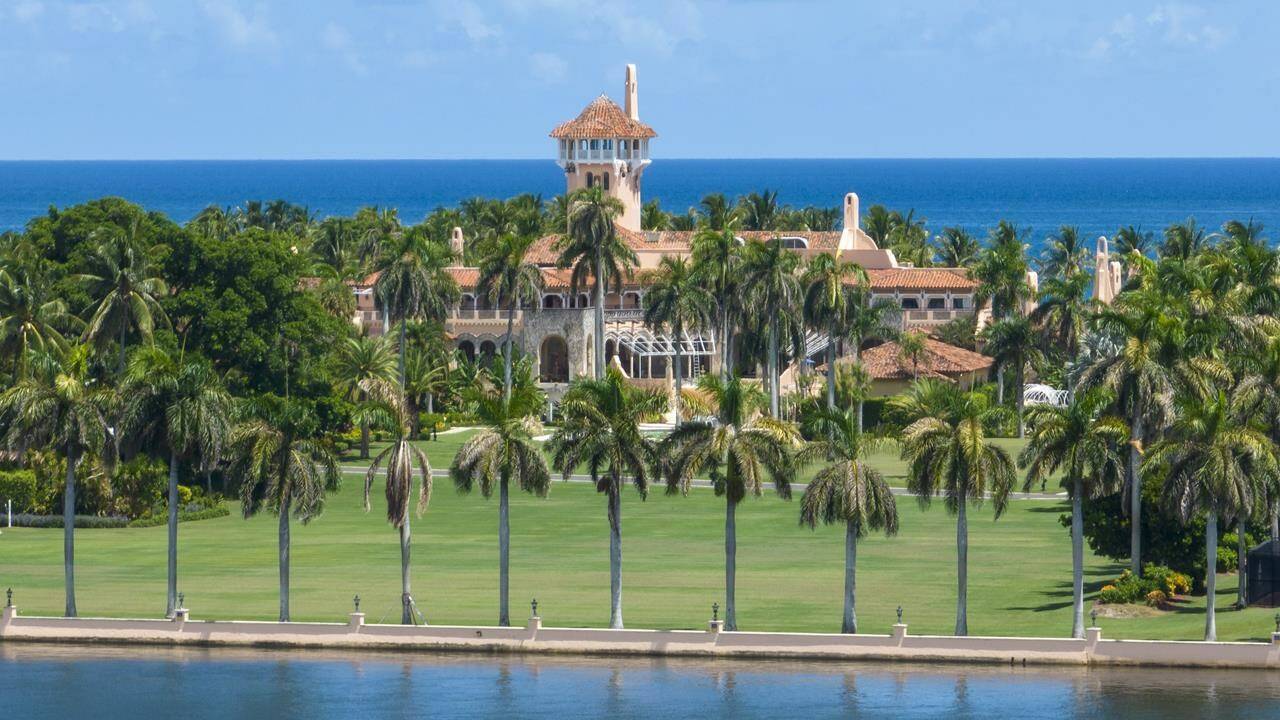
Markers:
point(608, 144)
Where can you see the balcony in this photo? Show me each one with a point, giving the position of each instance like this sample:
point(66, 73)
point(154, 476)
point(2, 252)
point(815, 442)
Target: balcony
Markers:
point(477, 320)
point(624, 314)
point(930, 318)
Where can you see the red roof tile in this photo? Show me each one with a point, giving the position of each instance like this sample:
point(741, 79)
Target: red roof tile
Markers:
point(602, 118)
point(940, 360)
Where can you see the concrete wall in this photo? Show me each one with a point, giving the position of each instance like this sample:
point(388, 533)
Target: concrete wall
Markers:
point(534, 638)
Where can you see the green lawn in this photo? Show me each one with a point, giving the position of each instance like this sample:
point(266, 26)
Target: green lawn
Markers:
point(789, 578)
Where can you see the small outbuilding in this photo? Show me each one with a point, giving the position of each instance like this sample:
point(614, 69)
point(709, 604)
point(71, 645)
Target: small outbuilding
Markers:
point(1263, 570)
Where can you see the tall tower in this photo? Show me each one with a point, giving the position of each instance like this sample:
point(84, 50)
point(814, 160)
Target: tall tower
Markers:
point(608, 147)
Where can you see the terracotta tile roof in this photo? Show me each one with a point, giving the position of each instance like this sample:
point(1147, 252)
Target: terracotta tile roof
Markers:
point(940, 361)
point(922, 279)
point(553, 278)
point(602, 118)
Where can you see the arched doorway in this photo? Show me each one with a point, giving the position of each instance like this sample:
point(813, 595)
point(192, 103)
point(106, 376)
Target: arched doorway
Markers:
point(468, 348)
point(553, 360)
point(487, 350)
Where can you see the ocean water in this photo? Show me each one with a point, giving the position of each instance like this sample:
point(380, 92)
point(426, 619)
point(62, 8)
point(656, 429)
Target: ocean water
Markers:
point(1097, 195)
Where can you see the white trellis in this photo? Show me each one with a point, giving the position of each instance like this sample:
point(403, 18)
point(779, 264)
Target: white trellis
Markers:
point(1038, 394)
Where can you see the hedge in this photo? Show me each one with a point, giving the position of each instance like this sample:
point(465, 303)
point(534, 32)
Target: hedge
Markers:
point(183, 516)
point(82, 521)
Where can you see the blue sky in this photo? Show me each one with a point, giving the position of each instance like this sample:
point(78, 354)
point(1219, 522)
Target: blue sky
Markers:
point(752, 78)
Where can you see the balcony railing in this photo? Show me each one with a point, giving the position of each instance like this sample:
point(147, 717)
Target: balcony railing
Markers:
point(624, 314)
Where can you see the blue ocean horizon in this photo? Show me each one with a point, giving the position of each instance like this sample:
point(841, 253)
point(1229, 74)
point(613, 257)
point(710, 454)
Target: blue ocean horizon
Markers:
point(1095, 194)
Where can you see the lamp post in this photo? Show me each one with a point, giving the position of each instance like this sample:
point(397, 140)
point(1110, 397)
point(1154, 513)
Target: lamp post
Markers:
point(533, 605)
point(8, 602)
point(356, 599)
point(899, 614)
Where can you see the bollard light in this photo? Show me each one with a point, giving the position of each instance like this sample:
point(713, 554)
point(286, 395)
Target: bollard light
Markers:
point(8, 597)
point(899, 614)
point(357, 601)
point(1093, 618)
point(182, 600)
point(715, 611)
point(534, 606)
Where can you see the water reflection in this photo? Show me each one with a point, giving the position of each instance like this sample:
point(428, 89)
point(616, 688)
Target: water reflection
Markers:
point(103, 682)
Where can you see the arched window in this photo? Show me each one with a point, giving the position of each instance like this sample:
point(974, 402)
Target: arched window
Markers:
point(553, 360)
point(468, 348)
point(591, 180)
point(606, 181)
point(910, 304)
point(551, 302)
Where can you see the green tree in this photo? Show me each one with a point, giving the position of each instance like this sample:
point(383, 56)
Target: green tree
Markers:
point(911, 350)
point(1210, 463)
point(677, 302)
point(600, 428)
point(846, 490)
point(949, 455)
point(358, 360)
point(1063, 312)
point(956, 248)
point(414, 282)
point(508, 278)
point(1001, 271)
point(501, 454)
point(652, 217)
point(31, 316)
point(737, 450)
point(61, 408)
point(594, 250)
point(1064, 254)
point(826, 304)
point(774, 294)
point(759, 210)
point(179, 408)
point(126, 287)
point(280, 466)
point(865, 319)
point(1080, 440)
point(717, 264)
point(717, 214)
point(1014, 343)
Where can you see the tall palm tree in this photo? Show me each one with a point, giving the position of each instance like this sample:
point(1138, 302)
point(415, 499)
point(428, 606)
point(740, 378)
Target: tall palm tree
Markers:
point(717, 214)
point(413, 281)
point(826, 304)
point(774, 291)
point(400, 457)
point(949, 455)
point(717, 263)
point(1014, 343)
point(1064, 254)
point(678, 302)
point(508, 278)
point(1210, 463)
point(866, 319)
point(60, 407)
point(909, 239)
point(878, 223)
point(911, 350)
point(1258, 397)
point(600, 427)
point(32, 317)
point(362, 359)
point(177, 408)
point(426, 376)
point(956, 248)
point(1081, 440)
point(1131, 239)
point(126, 287)
point(1063, 311)
point(501, 454)
point(846, 490)
point(1183, 240)
point(1001, 271)
point(652, 217)
point(738, 450)
point(759, 210)
point(594, 250)
point(1141, 379)
point(281, 466)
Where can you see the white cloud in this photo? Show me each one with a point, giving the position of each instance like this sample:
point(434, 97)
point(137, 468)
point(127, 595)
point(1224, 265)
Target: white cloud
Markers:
point(93, 17)
point(336, 38)
point(470, 18)
point(238, 28)
point(28, 11)
point(654, 26)
point(1177, 25)
point(548, 67)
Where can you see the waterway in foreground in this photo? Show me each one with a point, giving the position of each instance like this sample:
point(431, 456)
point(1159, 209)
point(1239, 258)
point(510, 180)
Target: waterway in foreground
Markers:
point(38, 681)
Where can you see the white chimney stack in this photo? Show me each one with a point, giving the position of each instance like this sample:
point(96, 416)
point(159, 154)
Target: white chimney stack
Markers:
point(455, 242)
point(633, 99)
point(851, 218)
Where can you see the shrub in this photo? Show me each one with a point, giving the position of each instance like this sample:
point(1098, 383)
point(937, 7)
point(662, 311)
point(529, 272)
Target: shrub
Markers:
point(184, 515)
point(1156, 586)
point(1123, 590)
point(1157, 599)
point(1170, 581)
point(82, 521)
point(21, 487)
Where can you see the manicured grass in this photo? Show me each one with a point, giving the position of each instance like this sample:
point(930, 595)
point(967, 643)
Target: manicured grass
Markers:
point(789, 578)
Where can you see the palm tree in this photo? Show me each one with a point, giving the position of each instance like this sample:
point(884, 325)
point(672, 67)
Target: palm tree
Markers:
point(1081, 440)
point(759, 211)
point(1211, 462)
point(1001, 271)
point(282, 467)
point(769, 274)
point(362, 359)
point(738, 450)
point(1063, 311)
point(507, 277)
point(60, 407)
point(400, 457)
point(1258, 397)
point(1140, 378)
point(600, 427)
point(846, 490)
point(865, 319)
point(1064, 254)
point(31, 316)
point(504, 452)
point(595, 251)
point(949, 455)
point(1183, 240)
point(909, 239)
point(717, 263)
point(413, 281)
point(426, 376)
point(179, 408)
point(1131, 239)
point(676, 300)
point(911, 350)
point(717, 214)
point(127, 288)
point(956, 248)
point(878, 223)
point(1013, 343)
point(826, 304)
point(652, 217)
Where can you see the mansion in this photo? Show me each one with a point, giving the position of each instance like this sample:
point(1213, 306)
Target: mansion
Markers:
point(609, 147)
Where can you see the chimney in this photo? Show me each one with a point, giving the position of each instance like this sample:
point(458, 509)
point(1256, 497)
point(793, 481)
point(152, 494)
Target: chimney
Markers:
point(851, 218)
point(633, 101)
point(455, 243)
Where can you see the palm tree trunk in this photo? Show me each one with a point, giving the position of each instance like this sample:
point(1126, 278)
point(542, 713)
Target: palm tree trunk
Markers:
point(284, 560)
point(69, 533)
point(962, 570)
point(172, 601)
point(857, 358)
point(120, 363)
point(849, 623)
point(831, 372)
point(773, 369)
point(599, 319)
point(506, 361)
point(364, 430)
point(730, 563)
point(1210, 576)
point(402, 343)
point(1275, 520)
point(1242, 563)
point(1000, 385)
point(679, 374)
point(504, 555)
point(1019, 401)
point(1077, 560)
point(615, 554)
point(406, 596)
point(1135, 495)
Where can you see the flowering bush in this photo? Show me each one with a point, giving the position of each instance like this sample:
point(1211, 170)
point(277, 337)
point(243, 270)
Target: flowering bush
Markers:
point(1156, 586)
